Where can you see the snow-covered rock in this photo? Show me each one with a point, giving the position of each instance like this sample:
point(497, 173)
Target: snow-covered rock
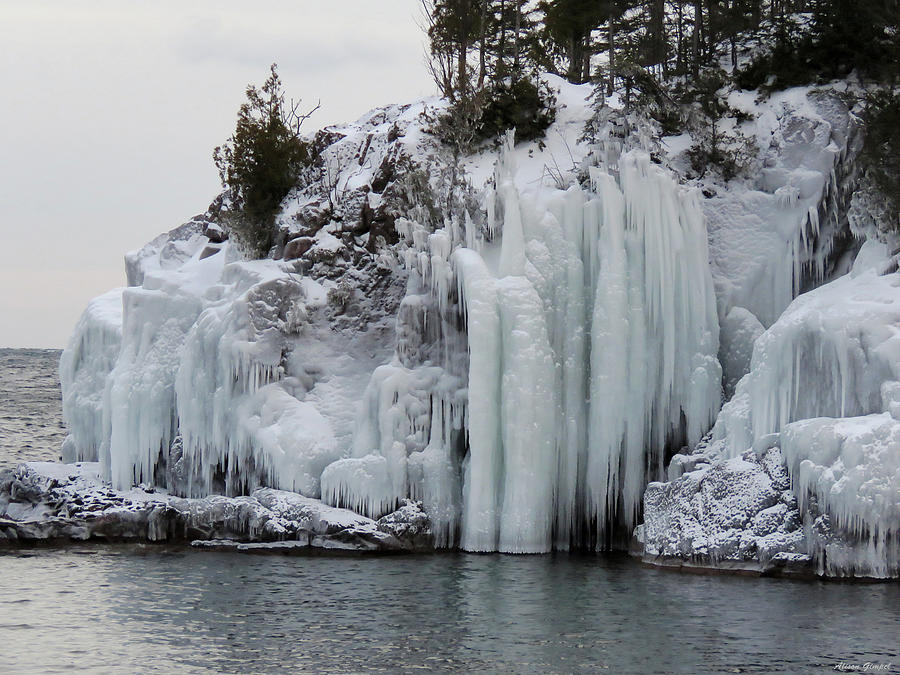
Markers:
point(42, 501)
point(739, 514)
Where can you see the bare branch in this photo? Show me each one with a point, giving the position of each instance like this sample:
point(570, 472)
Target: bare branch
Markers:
point(293, 120)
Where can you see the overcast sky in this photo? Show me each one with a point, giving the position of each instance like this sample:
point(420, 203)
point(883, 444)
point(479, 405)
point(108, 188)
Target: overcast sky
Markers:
point(110, 110)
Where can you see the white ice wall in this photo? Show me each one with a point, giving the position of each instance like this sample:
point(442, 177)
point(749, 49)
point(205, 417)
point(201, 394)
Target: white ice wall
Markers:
point(197, 350)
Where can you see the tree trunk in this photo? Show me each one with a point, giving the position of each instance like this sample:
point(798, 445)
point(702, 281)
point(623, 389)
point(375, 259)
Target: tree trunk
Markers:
point(462, 77)
point(695, 37)
point(501, 49)
point(482, 49)
point(518, 27)
point(612, 51)
point(711, 28)
point(586, 58)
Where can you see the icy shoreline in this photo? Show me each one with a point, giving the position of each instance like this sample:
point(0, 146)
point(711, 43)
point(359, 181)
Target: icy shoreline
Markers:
point(50, 502)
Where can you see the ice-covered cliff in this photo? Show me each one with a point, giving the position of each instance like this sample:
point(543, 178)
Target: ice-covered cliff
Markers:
point(520, 347)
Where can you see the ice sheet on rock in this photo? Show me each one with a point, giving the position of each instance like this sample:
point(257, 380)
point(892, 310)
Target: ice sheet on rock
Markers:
point(165, 252)
point(212, 355)
point(771, 239)
point(851, 466)
point(825, 379)
point(738, 331)
point(238, 409)
point(835, 352)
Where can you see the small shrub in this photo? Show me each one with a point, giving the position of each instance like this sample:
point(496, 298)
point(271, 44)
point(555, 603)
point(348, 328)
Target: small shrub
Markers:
point(410, 195)
point(788, 64)
point(520, 105)
point(487, 114)
point(731, 153)
point(459, 126)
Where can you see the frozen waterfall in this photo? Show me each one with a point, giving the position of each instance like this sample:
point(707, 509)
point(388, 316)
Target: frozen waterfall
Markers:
point(591, 334)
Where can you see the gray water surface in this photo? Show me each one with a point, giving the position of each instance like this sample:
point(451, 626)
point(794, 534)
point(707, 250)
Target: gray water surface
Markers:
point(31, 426)
point(150, 609)
point(156, 609)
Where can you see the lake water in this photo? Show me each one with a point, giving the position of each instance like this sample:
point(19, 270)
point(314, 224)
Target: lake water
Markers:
point(31, 426)
point(143, 609)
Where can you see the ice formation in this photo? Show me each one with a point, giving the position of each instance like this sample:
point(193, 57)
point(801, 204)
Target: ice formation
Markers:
point(549, 355)
point(833, 353)
point(84, 366)
point(202, 353)
point(591, 337)
point(777, 236)
point(824, 385)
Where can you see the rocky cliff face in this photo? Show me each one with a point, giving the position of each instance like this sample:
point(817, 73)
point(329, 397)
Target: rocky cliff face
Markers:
point(519, 346)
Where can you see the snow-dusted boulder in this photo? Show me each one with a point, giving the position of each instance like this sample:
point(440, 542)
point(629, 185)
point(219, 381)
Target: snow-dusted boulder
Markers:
point(738, 514)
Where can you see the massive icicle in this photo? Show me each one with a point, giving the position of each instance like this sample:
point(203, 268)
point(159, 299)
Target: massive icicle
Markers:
point(592, 340)
point(654, 374)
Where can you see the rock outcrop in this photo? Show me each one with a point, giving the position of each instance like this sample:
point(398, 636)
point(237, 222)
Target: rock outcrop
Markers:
point(48, 502)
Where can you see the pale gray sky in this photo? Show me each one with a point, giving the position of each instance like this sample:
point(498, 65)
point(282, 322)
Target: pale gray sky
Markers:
point(110, 110)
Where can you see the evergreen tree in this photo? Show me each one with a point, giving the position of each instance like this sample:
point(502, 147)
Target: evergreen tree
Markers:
point(455, 26)
point(567, 27)
point(261, 161)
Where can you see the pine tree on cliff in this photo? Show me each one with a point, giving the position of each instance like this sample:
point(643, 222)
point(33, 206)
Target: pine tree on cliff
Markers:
point(261, 161)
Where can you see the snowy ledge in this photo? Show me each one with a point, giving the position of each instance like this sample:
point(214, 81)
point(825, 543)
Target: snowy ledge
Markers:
point(50, 502)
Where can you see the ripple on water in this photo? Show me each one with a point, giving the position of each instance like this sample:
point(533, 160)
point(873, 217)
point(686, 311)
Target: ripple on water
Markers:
point(228, 613)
